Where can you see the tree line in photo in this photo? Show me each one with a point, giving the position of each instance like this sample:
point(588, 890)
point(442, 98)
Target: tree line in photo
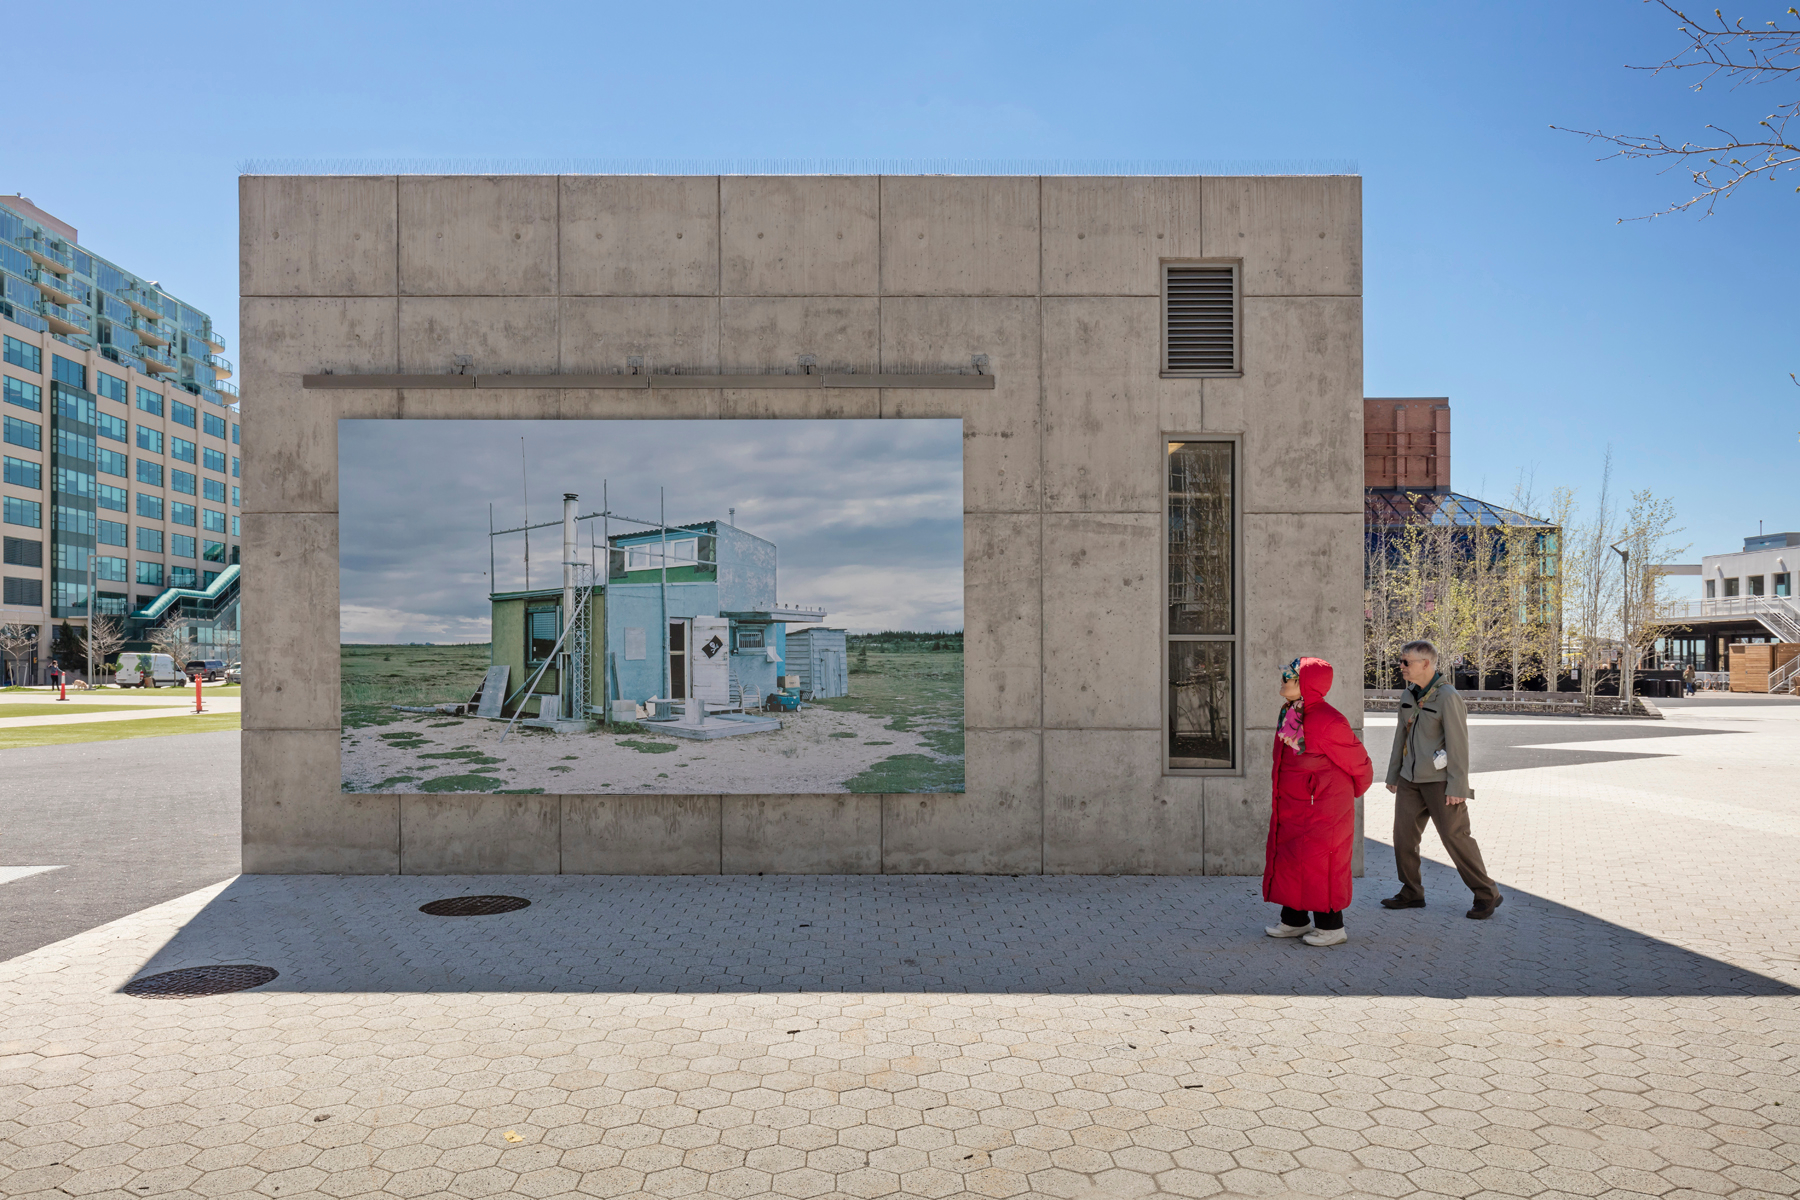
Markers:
point(1544, 606)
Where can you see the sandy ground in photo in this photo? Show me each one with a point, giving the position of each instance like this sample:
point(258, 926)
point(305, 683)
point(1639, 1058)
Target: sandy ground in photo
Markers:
point(816, 750)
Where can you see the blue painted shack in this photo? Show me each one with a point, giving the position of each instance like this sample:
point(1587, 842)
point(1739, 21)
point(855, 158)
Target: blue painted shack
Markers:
point(691, 613)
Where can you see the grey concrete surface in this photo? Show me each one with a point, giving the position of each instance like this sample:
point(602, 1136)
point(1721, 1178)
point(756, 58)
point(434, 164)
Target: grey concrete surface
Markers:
point(132, 823)
point(1055, 281)
point(1625, 1028)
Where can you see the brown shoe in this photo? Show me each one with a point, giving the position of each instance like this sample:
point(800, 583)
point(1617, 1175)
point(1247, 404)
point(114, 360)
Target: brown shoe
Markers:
point(1484, 908)
point(1403, 901)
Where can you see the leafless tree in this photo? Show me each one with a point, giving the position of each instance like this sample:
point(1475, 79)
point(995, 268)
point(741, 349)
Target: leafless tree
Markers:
point(1590, 585)
point(1738, 53)
point(1553, 597)
point(104, 636)
point(16, 643)
point(1482, 600)
point(1380, 579)
point(171, 638)
point(1649, 524)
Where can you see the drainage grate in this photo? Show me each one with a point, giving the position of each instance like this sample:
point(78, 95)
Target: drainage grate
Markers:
point(192, 982)
point(474, 906)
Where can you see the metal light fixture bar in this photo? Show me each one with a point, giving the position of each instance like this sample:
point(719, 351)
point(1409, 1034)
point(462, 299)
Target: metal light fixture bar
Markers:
point(646, 382)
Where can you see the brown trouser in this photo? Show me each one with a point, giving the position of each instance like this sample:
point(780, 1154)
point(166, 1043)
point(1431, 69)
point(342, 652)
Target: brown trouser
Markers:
point(1416, 803)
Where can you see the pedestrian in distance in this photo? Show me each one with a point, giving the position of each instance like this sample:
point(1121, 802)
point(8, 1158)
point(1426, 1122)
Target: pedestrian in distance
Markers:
point(1428, 772)
point(1687, 679)
point(1319, 771)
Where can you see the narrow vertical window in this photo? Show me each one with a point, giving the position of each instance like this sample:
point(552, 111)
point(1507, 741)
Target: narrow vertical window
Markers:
point(1202, 628)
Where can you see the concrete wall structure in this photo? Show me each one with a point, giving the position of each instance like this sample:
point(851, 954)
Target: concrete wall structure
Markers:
point(1057, 280)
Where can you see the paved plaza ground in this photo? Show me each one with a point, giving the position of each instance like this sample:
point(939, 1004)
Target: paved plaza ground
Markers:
point(1627, 1025)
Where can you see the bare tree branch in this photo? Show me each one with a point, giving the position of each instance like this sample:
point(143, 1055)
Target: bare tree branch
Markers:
point(16, 642)
point(1741, 54)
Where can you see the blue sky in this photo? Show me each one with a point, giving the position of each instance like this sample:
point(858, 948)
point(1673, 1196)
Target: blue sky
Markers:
point(1496, 272)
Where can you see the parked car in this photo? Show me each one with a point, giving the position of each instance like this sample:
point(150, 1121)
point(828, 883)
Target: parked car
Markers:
point(206, 668)
point(234, 673)
point(147, 670)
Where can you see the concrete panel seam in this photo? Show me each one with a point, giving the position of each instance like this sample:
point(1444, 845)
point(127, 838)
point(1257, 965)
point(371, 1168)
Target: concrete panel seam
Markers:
point(1043, 661)
point(1302, 511)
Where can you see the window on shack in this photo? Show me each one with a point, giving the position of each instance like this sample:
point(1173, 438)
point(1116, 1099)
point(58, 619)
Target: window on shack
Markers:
point(541, 628)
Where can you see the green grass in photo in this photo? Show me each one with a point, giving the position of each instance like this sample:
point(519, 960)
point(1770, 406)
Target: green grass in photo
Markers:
point(916, 685)
point(461, 783)
point(375, 678)
point(643, 747)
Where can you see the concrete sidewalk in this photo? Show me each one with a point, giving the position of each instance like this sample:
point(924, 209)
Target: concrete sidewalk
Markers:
point(1626, 1026)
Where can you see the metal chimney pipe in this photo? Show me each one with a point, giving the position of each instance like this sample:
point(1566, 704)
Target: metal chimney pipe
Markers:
point(569, 554)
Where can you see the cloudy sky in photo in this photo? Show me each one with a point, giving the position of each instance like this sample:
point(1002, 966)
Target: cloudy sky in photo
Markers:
point(866, 516)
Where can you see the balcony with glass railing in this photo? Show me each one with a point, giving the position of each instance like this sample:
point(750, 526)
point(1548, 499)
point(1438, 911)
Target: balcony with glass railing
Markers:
point(229, 389)
point(159, 362)
point(124, 358)
point(46, 252)
point(1779, 614)
point(146, 302)
point(221, 365)
point(63, 319)
point(21, 315)
point(215, 339)
point(153, 332)
point(63, 291)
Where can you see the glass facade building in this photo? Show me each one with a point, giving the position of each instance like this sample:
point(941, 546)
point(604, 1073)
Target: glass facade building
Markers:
point(122, 441)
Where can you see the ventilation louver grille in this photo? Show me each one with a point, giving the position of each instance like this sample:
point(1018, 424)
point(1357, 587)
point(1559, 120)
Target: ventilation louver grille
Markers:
point(1200, 321)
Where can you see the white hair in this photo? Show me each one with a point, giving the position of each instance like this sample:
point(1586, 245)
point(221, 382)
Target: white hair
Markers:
point(1420, 649)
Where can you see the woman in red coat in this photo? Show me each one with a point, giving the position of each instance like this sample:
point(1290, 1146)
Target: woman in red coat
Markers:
point(1320, 769)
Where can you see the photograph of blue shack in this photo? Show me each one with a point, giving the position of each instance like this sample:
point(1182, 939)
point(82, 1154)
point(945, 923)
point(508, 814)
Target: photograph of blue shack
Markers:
point(625, 607)
point(682, 627)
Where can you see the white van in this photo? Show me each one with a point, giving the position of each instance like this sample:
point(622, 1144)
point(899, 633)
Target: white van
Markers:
point(148, 670)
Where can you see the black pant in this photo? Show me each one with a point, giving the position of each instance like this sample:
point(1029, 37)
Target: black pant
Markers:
point(1324, 920)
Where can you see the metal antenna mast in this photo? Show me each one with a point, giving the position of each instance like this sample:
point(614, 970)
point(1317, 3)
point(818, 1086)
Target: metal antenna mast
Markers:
point(662, 528)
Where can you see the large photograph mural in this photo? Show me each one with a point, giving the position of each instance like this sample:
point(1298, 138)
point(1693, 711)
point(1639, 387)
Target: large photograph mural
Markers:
point(648, 607)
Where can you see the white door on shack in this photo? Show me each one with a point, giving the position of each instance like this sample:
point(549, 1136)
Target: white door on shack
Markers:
point(710, 660)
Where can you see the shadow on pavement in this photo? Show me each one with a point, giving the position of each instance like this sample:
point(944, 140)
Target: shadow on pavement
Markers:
point(933, 934)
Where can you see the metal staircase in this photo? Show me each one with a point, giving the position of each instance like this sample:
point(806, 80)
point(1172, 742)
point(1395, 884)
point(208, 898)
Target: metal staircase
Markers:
point(1780, 617)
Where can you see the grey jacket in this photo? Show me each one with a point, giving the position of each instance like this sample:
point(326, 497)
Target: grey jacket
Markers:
point(1437, 720)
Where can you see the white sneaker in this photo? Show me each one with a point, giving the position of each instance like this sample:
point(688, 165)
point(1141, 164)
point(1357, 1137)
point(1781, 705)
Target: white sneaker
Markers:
point(1283, 930)
point(1326, 937)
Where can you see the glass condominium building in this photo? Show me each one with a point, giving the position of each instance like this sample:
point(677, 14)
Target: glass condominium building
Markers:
point(121, 445)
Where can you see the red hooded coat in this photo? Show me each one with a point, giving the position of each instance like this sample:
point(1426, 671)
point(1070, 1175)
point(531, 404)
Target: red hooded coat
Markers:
point(1312, 822)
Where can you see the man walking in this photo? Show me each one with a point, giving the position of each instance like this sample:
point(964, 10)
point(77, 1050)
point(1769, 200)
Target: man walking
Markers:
point(1428, 772)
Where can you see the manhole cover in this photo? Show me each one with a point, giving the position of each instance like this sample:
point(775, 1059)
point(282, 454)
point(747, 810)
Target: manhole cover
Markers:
point(474, 906)
point(191, 982)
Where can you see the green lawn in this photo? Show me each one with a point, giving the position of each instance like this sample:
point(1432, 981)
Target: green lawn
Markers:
point(53, 708)
point(375, 678)
point(112, 731)
point(917, 690)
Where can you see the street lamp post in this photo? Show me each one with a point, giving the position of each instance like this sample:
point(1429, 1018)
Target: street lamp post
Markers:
point(1625, 664)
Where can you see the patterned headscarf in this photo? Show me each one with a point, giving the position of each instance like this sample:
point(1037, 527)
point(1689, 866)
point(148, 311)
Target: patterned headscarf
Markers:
point(1293, 713)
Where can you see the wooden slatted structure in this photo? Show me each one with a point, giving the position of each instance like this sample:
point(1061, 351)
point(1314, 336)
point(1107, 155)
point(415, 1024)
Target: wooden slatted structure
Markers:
point(1753, 662)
